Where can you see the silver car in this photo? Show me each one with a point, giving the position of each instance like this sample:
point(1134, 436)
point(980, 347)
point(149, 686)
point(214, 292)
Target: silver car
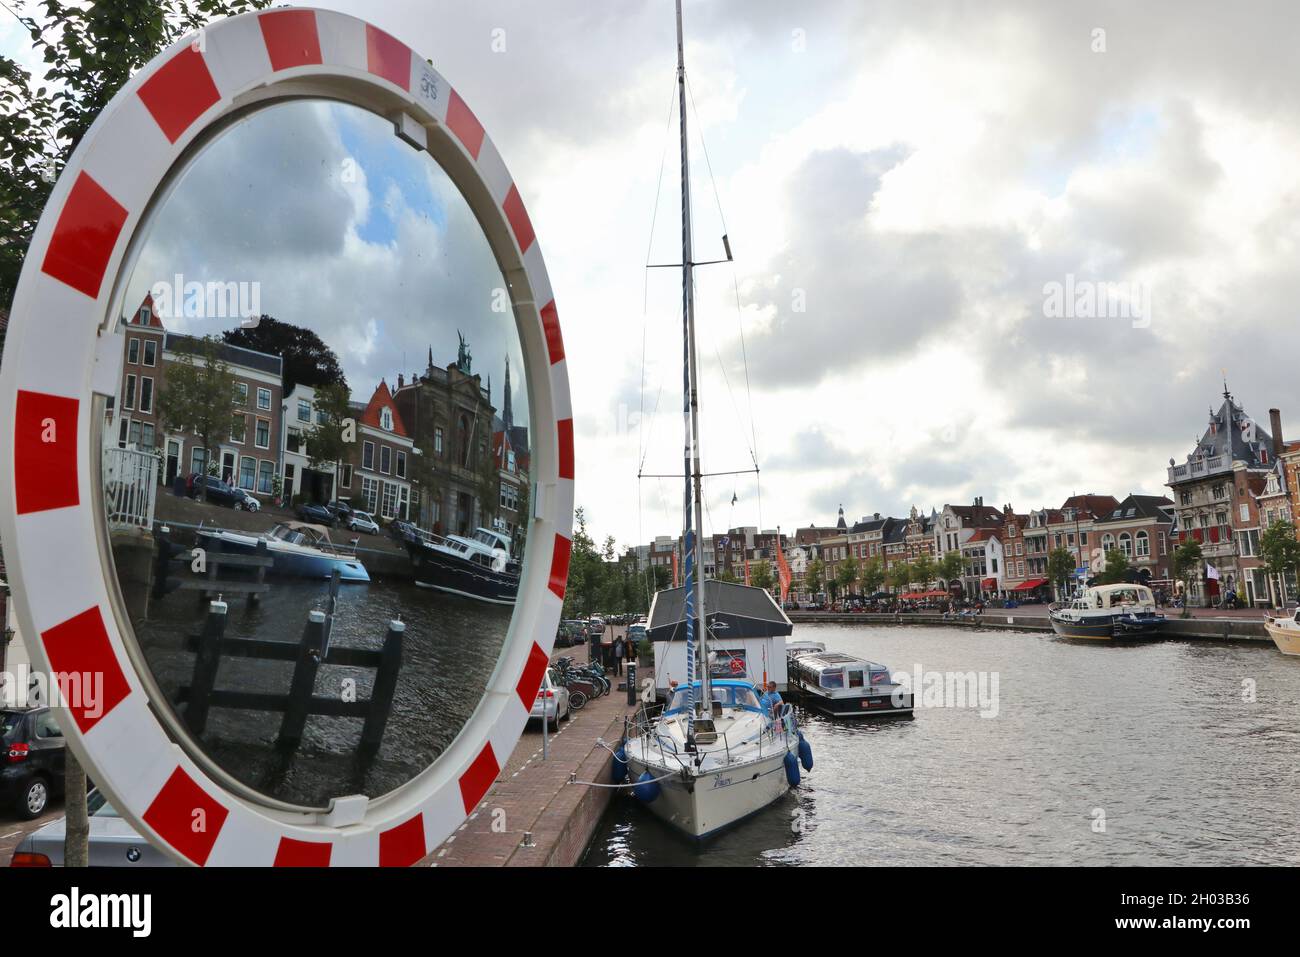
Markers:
point(248, 503)
point(363, 522)
point(113, 842)
point(552, 702)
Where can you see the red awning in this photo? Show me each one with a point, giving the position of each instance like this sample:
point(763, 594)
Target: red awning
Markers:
point(1032, 583)
point(989, 583)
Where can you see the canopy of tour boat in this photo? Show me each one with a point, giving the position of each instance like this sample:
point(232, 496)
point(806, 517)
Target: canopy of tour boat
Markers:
point(734, 610)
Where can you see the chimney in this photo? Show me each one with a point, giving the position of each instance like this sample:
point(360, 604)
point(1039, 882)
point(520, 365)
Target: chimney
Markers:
point(1275, 419)
point(400, 381)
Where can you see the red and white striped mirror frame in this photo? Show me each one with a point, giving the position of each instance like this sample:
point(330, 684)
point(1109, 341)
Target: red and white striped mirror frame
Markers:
point(58, 357)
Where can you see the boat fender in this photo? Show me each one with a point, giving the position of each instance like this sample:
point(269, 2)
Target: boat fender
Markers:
point(646, 788)
point(805, 753)
point(620, 765)
point(791, 769)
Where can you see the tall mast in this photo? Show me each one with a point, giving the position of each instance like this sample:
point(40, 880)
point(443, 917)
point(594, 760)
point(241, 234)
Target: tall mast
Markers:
point(691, 410)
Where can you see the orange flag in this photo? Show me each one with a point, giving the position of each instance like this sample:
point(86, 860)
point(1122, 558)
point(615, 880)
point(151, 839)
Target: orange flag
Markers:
point(782, 569)
point(676, 583)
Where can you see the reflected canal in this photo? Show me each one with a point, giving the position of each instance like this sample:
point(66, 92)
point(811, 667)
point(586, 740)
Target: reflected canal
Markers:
point(1160, 744)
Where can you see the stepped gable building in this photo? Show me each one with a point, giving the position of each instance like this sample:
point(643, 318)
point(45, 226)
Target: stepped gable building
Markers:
point(380, 460)
point(1215, 492)
point(448, 414)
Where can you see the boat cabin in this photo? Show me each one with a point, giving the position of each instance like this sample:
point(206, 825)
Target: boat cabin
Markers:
point(1121, 597)
point(833, 672)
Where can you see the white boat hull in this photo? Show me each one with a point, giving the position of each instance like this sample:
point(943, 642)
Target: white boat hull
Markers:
point(710, 802)
point(1286, 639)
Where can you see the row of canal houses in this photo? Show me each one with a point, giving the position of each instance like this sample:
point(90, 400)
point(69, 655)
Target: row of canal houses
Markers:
point(444, 416)
point(1238, 479)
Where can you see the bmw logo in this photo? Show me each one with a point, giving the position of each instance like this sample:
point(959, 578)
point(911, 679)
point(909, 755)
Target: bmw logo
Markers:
point(133, 854)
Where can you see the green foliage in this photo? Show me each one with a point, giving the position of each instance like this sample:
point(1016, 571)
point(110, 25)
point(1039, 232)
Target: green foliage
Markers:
point(90, 50)
point(812, 576)
point(871, 576)
point(331, 439)
point(924, 570)
point(1116, 570)
point(307, 359)
point(900, 576)
point(1280, 548)
point(760, 575)
point(846, 573)
point(1060, 566)
point(951, 566)
point(197, 397)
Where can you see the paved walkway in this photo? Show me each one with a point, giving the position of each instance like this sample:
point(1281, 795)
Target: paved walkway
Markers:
point(534, 795)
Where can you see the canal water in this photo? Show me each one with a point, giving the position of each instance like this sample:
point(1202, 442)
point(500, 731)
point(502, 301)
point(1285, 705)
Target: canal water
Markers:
point(450, 648)
point(1174, 753)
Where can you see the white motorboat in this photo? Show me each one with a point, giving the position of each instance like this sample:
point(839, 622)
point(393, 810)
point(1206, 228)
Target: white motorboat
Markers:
point(1108, 612)
point(299, 550)
point(1285, 633)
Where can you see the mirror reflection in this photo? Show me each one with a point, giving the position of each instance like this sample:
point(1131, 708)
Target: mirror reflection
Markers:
point(316, 469)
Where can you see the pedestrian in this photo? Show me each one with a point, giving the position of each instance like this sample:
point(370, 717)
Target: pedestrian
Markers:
point(619, 651)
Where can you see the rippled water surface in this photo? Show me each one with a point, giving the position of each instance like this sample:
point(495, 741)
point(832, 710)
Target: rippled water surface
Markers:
point(1159, 738)
point(449, 650)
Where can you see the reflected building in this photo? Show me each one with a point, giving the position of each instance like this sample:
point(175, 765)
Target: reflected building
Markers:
point(449, 414)
point(377, 475)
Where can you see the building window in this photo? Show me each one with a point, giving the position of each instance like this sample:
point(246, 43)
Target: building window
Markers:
point(346, 478)
point(199, 460)
point(293, 442)
point(1143, 545)
point(437, 441)
point(369, 493)
point(385, 459)
point(304, 410)
point(401, 465)
point(146, 396)
point(247, 468)
point(150, 352)
point(262, 437)
point(265, 469)
point(134, 435)
point(368, 456)
point(1243, 510)
point(389, 500)
point(386, 419)
point(264, 399)
point(509, 496)
point(1107, 542)
point(238, 428)
point(128, 394)
point(1126, 544)
point(133, 351)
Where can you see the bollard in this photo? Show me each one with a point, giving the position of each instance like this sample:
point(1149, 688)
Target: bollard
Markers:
point(631, 682)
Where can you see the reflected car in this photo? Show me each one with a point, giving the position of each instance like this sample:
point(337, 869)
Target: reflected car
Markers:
point(32, 756)
point(113, 842)
point(362, 522)
point(315, 514)
point(215, 491)
point(552, 701)
point(248, 502)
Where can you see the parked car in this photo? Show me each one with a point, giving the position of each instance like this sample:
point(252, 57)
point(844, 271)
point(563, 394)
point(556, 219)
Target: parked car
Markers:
point(214, 490)
point(34, 755)
point(249, 503)
point(361, 522)
point(112, 843)
point(552, 702)
point(316, 514)
point(596, 627)
point(341, 509)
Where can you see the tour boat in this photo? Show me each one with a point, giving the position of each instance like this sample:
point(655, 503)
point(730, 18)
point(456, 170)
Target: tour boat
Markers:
point(478, 567)
point(717, 754)
point(845, 686)
point(1285, 633)
point(298, 550)
point(1108, 612)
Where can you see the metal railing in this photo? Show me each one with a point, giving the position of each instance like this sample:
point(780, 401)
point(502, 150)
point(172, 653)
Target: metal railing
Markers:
point(130, 487)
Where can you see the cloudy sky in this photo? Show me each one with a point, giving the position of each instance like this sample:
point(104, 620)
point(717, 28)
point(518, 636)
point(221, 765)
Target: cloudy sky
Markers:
point(901, 183)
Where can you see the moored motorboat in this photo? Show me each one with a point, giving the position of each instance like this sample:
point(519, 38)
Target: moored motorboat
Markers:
point(1285, 633)
point(845, 686)
point(1109, 612)
point(478, 566)
point(297, 549)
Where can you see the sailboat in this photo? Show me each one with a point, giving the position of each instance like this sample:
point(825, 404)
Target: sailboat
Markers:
point(716, 754)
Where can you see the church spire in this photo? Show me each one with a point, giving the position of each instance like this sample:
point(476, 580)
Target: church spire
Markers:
point(507, 415)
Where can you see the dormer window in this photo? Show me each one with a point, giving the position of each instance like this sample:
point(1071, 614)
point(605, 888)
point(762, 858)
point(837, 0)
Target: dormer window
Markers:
point(386, 419)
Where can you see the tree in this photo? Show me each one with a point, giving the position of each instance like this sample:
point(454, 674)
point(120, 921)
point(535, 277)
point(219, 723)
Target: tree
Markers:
point(1116, 570)
point(1060, 568)
point(1280, 549)
point(900, 576)
point(846, 573)
point(924, 570)
point(307, 359)
point(760, 576)
point(951, 566)
point(199, 398)
point(585, 571)
point(872, 576)
point(332, 437)
point(812, 577)
point(90, 50)
point(1186, 561)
